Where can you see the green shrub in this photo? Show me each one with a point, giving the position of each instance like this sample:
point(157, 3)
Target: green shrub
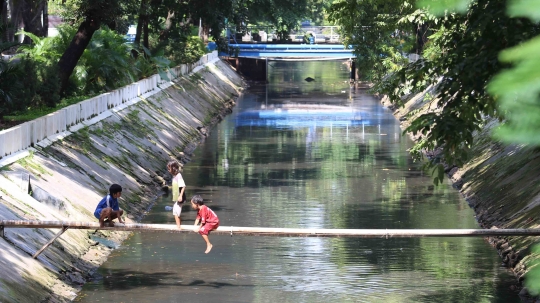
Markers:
point(106, 63)
point(49, 88)
point(182, 51)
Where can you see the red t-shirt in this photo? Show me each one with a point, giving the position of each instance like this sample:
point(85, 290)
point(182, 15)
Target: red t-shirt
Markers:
point(207, 215)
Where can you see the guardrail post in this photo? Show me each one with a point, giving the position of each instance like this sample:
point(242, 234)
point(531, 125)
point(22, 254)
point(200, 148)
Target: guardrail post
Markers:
point(2, 231)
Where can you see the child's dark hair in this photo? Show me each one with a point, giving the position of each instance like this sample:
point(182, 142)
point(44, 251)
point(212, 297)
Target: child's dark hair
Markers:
point(197, 199)
point(174, 167)
point(115, 188)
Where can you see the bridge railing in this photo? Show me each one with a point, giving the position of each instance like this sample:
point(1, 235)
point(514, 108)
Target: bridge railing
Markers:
point(25, 135)
point(264, 34)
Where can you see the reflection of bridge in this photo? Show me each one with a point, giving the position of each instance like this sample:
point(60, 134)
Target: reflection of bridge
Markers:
point(302, 115)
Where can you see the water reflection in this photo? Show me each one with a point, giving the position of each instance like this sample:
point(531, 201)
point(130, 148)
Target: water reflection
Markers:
point(301, 115)
point(296, 159)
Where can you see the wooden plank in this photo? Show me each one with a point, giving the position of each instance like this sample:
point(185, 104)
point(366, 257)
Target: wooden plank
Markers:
point(64, 228)
point(280, 232)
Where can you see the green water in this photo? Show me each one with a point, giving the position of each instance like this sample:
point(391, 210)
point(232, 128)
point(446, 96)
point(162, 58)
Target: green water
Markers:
point(317, 154)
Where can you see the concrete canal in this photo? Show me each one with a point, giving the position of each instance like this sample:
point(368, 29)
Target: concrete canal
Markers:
point(308, 154)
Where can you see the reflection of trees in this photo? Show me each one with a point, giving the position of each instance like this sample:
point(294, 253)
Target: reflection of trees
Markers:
point(356, 177)
point(283, 157)
point(287, 79)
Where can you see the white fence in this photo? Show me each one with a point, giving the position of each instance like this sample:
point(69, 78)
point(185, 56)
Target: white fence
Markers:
point(29, 133)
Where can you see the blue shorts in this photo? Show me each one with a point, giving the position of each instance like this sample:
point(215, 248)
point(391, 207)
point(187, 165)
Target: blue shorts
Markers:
point(97, 213)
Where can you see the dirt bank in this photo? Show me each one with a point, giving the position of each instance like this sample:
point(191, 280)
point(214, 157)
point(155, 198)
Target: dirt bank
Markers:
point(500, 182)
point(65, 180)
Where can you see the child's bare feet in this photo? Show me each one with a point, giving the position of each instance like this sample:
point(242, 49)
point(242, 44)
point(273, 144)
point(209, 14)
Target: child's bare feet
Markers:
point(179, 227)
point(111, 224)
point(101, 224)
point(208, 248)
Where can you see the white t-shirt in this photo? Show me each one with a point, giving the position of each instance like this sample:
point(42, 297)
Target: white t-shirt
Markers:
point(177, 183)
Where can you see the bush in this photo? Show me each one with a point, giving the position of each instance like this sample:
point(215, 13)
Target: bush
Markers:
point(106, 63)
point(183, 52)
point(49, 89)
point(23, 85)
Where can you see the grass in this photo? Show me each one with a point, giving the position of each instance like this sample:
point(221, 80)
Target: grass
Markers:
point(32, 166)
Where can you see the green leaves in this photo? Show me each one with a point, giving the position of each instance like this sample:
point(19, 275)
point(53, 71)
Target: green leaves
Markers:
point(533, 275)
point(524, 8)
point(378, 31)
point(460, 57)
point(441, 7)
point(518, 91)
point(160, 63)
point(41, 50)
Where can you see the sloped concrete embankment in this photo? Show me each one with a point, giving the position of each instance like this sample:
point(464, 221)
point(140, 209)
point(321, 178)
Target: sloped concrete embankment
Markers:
point(65, 180)
point(500, 182)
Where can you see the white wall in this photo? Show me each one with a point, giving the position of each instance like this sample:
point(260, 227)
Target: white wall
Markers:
point(51, 126)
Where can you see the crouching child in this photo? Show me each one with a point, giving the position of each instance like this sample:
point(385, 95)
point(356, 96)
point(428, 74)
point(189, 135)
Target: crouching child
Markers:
point(108, 209)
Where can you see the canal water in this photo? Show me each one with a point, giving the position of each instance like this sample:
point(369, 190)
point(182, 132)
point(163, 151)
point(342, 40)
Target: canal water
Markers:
point(307, 154)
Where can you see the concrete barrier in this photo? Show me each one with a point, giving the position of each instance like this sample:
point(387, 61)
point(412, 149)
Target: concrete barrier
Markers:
point(25, 135)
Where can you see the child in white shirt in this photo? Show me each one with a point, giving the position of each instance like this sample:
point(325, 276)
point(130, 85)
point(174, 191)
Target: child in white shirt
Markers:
point(178, 190)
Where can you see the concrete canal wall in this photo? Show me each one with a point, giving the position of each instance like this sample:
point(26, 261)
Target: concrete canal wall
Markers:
point(500, 182)
point(58, 167)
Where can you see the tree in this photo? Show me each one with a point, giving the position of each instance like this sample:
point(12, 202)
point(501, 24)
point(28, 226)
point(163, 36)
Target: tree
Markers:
point(93, 14)
point(377, 31)
point(283, 15)
point(460, 57)
point(517, 88)
point(33, 11)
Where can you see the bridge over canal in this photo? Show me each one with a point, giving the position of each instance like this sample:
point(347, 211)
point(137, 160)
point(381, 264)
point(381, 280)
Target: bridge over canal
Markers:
point(252, 59)
point(289, 51)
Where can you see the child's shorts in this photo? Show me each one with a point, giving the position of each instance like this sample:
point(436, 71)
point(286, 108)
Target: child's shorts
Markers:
point(97, 213)
point(177, 209)
point(207, 228)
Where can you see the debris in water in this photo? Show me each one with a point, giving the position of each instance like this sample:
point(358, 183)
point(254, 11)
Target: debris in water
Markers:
point(309, 79)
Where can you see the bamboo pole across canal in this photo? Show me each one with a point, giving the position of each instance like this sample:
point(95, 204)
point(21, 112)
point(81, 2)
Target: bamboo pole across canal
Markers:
point(266, 231)
point(278, 232)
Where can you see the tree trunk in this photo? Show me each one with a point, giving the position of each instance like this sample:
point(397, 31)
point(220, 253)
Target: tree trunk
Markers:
point(205, 32)
point(145, 32)
point(164, 35)
point(14, 20)
point(153, 6)
point(143, 11)
point(3, 21)
point(3, 9)
point(45, 29)
point(421, 37)
point(73, 53)
point(32, 11)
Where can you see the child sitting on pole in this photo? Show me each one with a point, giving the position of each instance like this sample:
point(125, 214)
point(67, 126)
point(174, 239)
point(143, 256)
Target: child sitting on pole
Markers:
point(108, 207)
point(207, 217)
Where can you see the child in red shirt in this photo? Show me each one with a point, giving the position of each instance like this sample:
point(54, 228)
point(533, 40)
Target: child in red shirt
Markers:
point(207, 217)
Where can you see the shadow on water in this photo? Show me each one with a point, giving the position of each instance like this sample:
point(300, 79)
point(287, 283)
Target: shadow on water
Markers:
point(120, 280)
